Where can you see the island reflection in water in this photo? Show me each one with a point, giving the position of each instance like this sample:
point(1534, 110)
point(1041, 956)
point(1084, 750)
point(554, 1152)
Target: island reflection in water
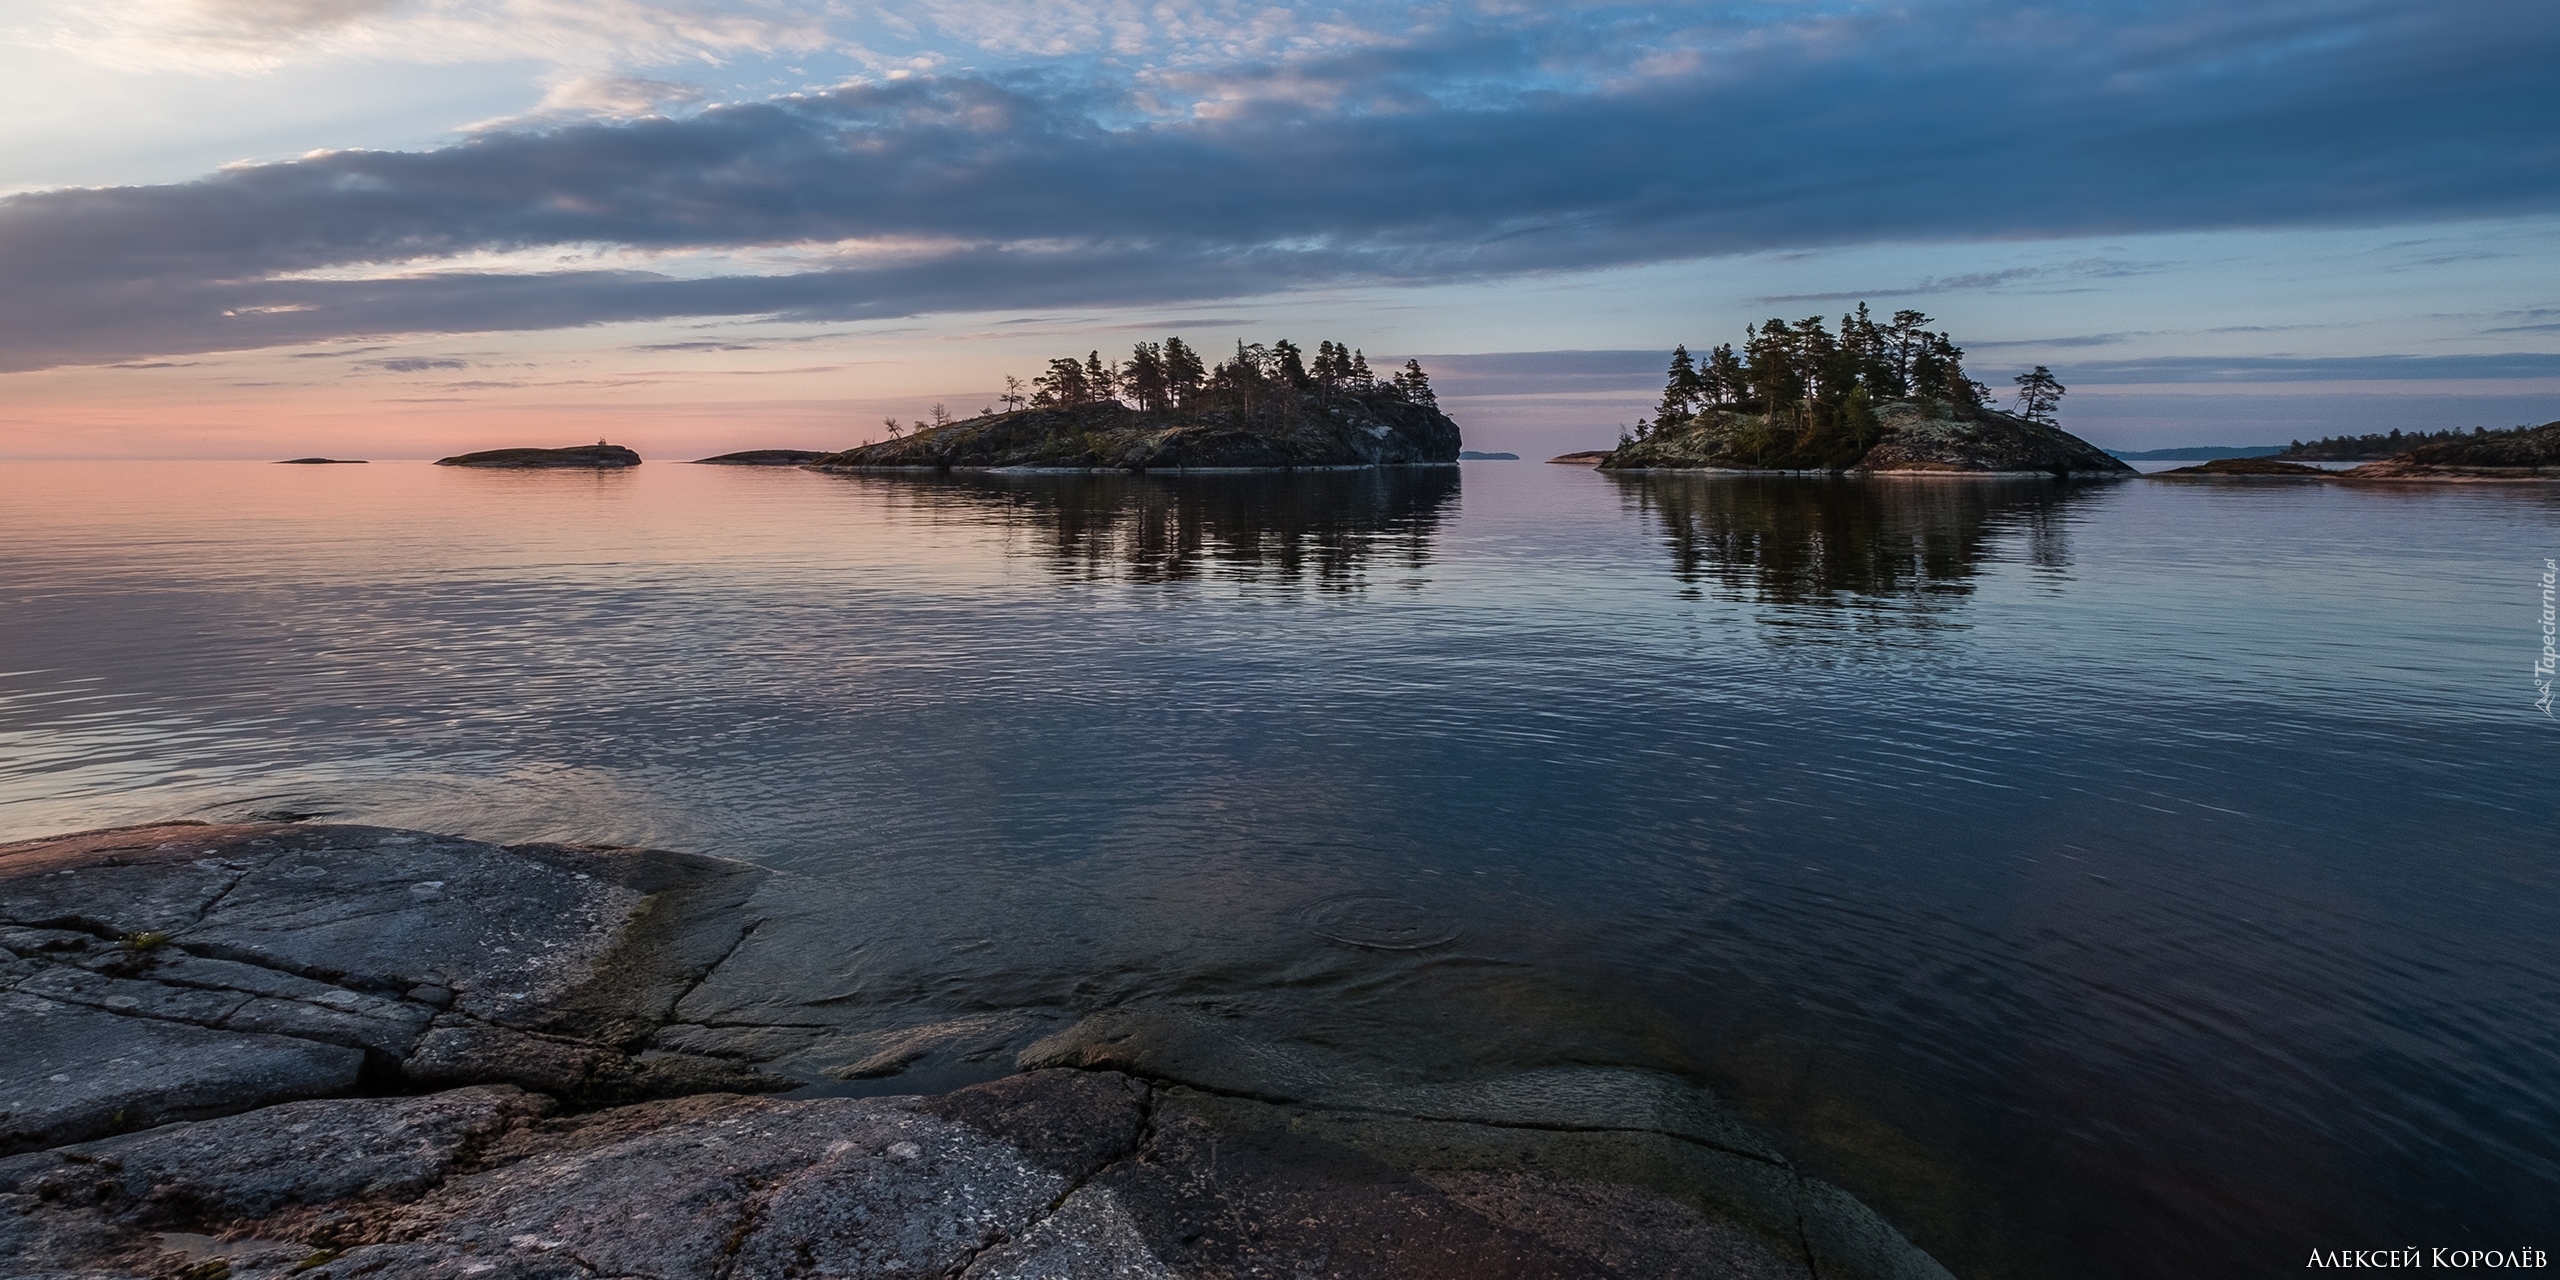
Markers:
point(1315, 528)
point(1798, 541)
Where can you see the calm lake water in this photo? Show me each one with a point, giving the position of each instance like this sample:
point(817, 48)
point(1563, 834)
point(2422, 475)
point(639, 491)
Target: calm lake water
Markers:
point(2139, 879)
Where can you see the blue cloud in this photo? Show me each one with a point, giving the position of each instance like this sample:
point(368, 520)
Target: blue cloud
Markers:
point(1446, 157)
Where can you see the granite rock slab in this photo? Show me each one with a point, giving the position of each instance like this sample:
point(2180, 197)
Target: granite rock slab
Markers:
point(333, 1051)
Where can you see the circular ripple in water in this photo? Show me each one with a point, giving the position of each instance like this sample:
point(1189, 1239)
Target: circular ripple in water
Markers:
point(1378, 922)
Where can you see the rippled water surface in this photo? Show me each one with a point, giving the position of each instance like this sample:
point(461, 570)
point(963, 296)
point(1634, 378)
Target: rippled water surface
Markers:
point(2148, 879)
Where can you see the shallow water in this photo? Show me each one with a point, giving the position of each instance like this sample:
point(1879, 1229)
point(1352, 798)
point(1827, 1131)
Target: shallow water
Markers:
point(2136, 879)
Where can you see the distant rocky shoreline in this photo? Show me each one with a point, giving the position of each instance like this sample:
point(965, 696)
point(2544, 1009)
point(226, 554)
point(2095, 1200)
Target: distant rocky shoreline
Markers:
point(2525, 454)
point(263, 1049)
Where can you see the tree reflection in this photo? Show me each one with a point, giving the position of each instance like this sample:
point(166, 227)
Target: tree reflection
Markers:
point(1320, 528)
point(1803, 541)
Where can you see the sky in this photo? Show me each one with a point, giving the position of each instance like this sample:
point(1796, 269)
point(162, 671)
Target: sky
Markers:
point(403, 228)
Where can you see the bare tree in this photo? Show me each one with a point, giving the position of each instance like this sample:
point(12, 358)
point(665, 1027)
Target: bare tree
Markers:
point(941, 416)
point(895, 430)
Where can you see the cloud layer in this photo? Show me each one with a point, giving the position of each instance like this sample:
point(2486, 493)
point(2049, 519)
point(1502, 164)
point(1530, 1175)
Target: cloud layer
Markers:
point(1452, 152)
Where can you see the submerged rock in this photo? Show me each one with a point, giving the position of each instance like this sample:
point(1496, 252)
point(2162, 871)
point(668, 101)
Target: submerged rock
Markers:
point(322, 462)
point(597, 456)
point(227, 991)
point(1314, 429)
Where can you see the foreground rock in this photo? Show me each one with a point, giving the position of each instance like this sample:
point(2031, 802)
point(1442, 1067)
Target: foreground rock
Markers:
point(763, 458)
point(1911, 436)
point(2530, 453)
point(192, 1010)
point(171, 973)
point(1313, 429)
point(593, 456)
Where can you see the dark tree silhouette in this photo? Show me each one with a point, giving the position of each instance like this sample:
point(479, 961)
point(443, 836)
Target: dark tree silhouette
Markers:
point(1144, 378)
point(1063, 386)
point(1415, 385)
point(1170, 376)
point(1682, 389)
point(1183, 372)
point(2039, 394)
point(1288, 366)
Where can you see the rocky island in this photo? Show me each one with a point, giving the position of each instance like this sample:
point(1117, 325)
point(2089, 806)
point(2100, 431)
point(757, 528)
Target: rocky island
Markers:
point(253, 1051)
point(1877, 397)
point(2250, 467)
point(1264, 408)
point(2524, 453)
point(599, 456)
point(763, 458)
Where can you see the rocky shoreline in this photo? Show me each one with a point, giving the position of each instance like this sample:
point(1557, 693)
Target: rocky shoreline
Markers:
point(331, 1051)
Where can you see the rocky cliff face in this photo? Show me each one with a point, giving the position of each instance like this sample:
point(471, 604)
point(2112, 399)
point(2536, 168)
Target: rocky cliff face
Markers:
point(1313, 430)
point(1911, 436)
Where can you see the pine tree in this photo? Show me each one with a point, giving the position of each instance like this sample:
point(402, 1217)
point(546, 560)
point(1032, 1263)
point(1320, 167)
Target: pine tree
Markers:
point(1415, 385)
point(1906, 339)
point(1183, 372)
point(1360, 375)
point(1680, 389)
point(1726, 381)
point(1869, 347)
point(1145, 377)
point(1063, 386)
point(1288, 366)
point(2039, 394)
point(1858, 423)
point(1937, 373)
point(1099, 378)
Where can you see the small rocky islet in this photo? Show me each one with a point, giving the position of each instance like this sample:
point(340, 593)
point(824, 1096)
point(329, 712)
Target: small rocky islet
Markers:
point(267, 1049)
point(598, 456)
point(763, 458)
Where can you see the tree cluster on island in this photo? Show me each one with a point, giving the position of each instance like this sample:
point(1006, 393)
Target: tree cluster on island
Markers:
point(1170, 376)
point(1799, 397)
point(2377, 444)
